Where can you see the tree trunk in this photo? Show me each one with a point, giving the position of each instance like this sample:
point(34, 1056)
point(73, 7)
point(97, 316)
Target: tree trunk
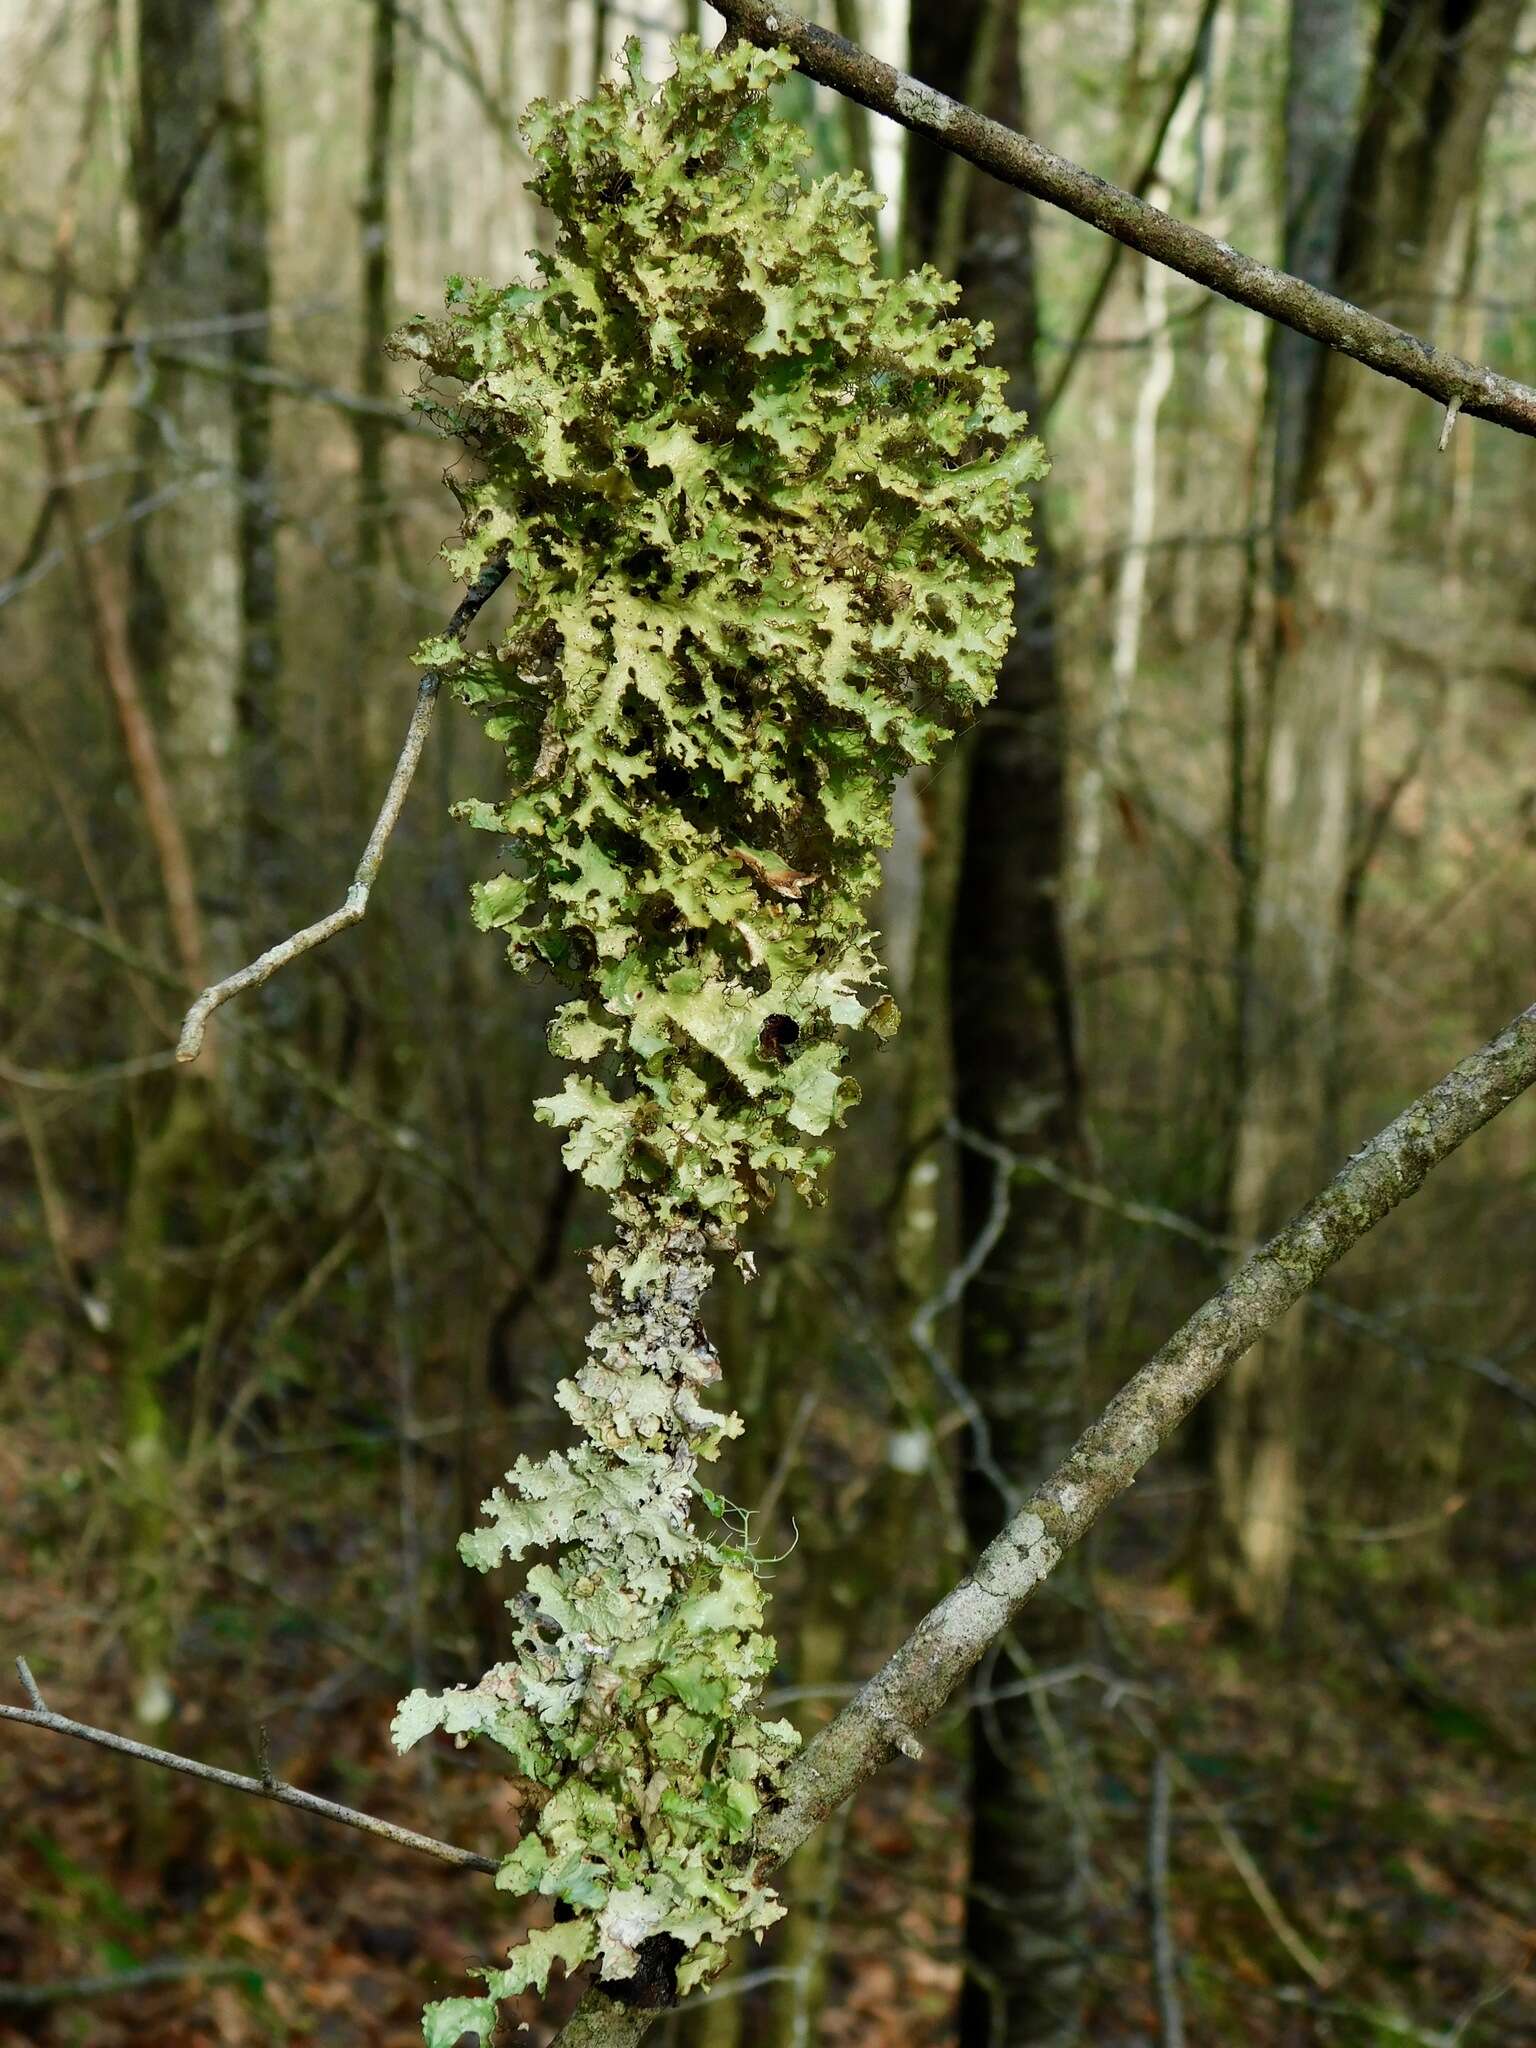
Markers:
point(188, 596)
point(1016, 1083)
point(380, 713)
point(1434, 76)
point(259, 795)
point(204, 620)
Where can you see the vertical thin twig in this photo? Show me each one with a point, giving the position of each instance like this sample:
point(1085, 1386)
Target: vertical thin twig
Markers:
point(405, 1410)
point(1165, 1961)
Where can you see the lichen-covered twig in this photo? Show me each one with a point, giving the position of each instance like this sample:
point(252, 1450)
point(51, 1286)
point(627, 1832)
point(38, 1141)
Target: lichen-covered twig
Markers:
point(1139, 1421)
point(355, 904)
point(765, 560)
point(39, 1715)
point(951, 1638)
point(1470, 388)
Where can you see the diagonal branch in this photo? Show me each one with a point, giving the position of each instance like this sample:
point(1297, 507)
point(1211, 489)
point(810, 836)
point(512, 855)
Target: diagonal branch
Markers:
point(1479, 392)
point(353, 906)
point(39, 1715)
point(952, 1637)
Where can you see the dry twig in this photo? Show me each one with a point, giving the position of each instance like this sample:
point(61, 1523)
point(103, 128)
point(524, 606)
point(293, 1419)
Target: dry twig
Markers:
point(39, 1715)
point(355, 904)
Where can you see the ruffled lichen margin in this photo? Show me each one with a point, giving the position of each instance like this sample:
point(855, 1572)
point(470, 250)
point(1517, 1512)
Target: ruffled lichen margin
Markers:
point(763, 510)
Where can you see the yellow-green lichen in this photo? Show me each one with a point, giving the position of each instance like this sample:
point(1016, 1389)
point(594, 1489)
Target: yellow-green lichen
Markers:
point(763, 510)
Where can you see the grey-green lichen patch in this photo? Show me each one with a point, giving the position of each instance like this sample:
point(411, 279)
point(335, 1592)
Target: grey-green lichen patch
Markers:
point(637, 1651)
point(763, 511)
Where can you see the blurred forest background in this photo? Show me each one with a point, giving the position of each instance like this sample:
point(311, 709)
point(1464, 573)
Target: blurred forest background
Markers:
point(1243, 858)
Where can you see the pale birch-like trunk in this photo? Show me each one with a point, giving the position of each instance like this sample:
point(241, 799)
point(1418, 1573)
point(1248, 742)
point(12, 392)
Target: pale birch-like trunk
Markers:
point(1110, 768)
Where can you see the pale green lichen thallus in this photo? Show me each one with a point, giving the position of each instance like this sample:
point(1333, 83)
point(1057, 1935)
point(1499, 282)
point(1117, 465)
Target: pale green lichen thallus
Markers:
point(763, 510)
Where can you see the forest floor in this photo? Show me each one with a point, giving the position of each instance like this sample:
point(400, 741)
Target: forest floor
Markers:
point(1352, 1837)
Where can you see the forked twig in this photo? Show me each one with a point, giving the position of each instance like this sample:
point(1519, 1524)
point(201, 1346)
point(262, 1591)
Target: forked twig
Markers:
point(352, 908)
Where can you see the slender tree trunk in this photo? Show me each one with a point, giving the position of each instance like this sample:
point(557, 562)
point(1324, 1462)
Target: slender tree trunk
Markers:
point(259, 766)
point(204, 628)
point(377, 316)
point(1111, 768)
point(188, 597)
point(1016, 1083)
point(1434, 76)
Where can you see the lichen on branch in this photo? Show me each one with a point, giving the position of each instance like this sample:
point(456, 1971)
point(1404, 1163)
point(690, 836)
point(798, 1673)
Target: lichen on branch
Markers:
point(763, 509)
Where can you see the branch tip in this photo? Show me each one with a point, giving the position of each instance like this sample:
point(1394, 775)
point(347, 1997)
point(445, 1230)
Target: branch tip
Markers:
point(903, 1737)
point(355, 903)
point(29, 1686)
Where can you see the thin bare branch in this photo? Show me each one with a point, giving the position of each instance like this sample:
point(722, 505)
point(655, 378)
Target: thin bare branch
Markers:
point(1258, 1886)
point(51, 1081)
point(403, 1139)
point(39, 1715)
point(1031, 167)
point(230, 369)
point(109, 626)
point(75, 1990)
point(355, 904)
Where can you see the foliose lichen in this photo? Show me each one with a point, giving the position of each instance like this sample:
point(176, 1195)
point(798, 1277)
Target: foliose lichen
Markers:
point(763, 510)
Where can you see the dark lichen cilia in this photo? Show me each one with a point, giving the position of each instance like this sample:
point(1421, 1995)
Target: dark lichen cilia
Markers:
point(763, 510)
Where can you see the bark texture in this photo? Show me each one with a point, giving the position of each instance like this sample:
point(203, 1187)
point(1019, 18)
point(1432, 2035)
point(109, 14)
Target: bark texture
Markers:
point(204, 628)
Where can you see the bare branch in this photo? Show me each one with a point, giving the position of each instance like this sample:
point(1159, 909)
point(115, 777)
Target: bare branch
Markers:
point(74, 1990)
point(1004, 153)
point(230, 369)
point(1258, 1886)
point(401, 1138)
point(949, 1641)
point(952, 1637)
point(53, 1081)
point(1155, 1217)
point(38, 1715)
point(351, 910)
point(1166, 1761)
point(29, 1686)
point(109, 627)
